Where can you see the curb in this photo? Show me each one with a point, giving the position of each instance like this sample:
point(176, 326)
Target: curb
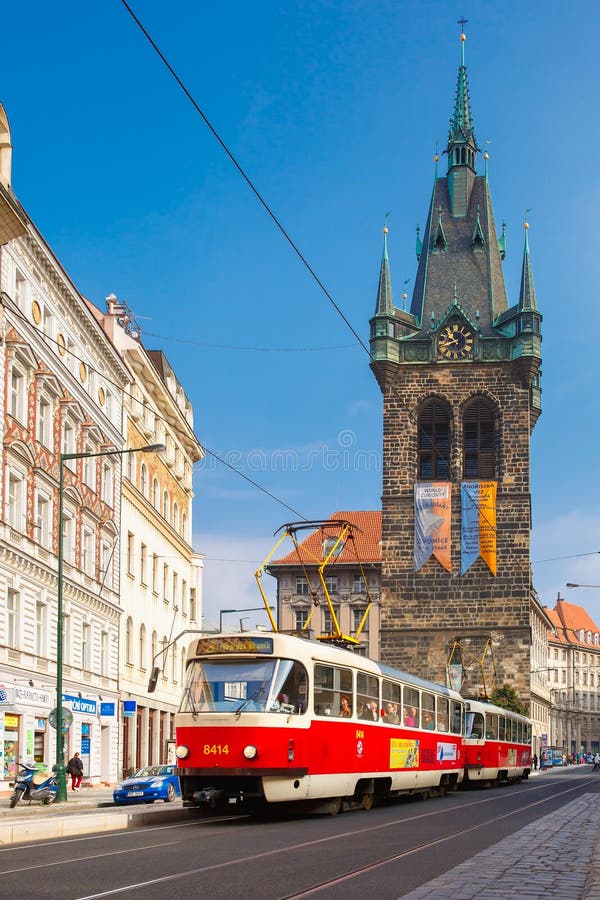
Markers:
point(28, 829)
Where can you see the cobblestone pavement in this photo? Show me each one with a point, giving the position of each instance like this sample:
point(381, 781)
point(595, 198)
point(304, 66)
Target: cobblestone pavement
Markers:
point(556, 857)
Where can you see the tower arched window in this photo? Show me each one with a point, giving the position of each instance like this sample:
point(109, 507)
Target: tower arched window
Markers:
point(144, 479)
point(155, 494)
point(433, 442)
point(479, 440)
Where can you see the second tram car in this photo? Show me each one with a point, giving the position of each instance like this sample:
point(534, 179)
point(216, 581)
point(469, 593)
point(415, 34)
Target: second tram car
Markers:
point(497, 744)
point(273, 718)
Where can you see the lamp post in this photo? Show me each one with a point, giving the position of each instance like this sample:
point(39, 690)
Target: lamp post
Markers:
point(59, 766)
point(223, 612)
point(572, 584)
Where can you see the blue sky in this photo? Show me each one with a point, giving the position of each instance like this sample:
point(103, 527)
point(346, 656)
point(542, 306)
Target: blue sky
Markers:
point(334, 109)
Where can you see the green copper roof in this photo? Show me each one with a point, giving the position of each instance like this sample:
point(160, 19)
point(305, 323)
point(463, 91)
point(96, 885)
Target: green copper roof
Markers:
point(461, 123)
point(527, 292)
point(385, 303)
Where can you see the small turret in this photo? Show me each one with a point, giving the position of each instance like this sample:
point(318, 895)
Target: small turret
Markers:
point(462, 146)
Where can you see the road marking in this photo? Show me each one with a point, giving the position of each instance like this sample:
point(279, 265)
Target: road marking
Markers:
point(267, 853)
point(85, 858)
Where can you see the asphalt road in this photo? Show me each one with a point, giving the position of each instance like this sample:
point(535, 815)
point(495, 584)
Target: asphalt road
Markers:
point(385, 852)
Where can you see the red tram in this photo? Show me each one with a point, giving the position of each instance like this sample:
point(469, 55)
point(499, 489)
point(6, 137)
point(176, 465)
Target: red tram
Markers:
point(497, 744)
point(272, 718)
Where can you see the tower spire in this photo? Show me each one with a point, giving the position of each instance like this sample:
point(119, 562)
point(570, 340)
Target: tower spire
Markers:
point(527, 292)
point(385, 303)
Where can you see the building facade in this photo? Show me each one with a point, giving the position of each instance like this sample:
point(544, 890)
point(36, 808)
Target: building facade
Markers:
point(573, 679)
point(61, 386)
point(161, 575)
point(460, 378)
point(296, 574)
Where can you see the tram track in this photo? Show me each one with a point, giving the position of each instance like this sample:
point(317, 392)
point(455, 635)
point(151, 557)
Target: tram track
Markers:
point(357, 871)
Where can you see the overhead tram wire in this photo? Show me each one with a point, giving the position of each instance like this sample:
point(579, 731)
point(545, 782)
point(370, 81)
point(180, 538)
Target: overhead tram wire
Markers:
point(278, 224)
point(17, 312)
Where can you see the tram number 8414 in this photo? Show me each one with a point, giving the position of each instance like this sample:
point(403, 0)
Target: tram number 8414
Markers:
point(215, 749)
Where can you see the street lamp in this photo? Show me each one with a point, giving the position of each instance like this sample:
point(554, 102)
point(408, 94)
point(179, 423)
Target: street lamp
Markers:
point(59, 766)
point(223, 612)
point(573, 584)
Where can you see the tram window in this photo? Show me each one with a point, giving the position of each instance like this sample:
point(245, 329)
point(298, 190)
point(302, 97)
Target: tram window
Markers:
point(502, 728)
point(392, 702)
point(456, 717)
point(367, 696)
point(442, 714)
point(331, 683)
point(511, 735)
point(410, 707)
point(491, 727)
point(427, 711)
point(475, 725)
point(529, 734)
point(288, 689)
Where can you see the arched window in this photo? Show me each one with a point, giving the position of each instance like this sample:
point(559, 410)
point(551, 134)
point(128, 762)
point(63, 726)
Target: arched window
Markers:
point(154, 647)
point(155, 494)
point(142, 646)
point(184, 526)
point(433, 442)
point(176, 517)
point(165, 509)
point(129, 642)
point(144, 479)
point(479, 441)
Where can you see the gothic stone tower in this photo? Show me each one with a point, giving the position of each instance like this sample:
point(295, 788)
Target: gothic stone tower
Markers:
point(460, 378)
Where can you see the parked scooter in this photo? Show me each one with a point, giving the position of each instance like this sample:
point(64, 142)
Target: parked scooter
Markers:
point(33, 785)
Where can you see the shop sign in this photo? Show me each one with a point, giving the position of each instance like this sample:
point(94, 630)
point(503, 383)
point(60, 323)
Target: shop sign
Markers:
point(81, 704)
point(33, 696)
point(107, 709)
point(11, 721)
point(129, 707)
point(7, 695)
point(40, 724)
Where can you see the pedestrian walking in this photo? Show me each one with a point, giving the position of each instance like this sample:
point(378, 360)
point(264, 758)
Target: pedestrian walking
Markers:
point(75, 770)
point(596, 766)
point(535, 761)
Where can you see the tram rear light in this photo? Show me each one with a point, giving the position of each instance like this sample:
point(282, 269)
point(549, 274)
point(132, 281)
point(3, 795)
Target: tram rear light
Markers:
point(250, 751)
point(291, 751)
point(181, 751)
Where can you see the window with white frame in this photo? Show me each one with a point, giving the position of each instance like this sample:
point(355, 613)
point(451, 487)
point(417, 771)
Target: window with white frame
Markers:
point(174, 662)
point(165, 582)
point(176, 517)
point(86, 649)
point(357, 616)
point(87, 551)
point(43, 520)
point(130, 547)
point(155, 494)
point(89, 469)
point(68, 536)
point(175, 587)
point(165, 507)
point(68, 439)
point(17, 405)
point(20, 289)
point(300, 618)
point(44, 421)
point(106, 563)
point(143, 647)
point(143, 563)
point(41, 625)
point(107, 483)
point(104, 654)
point(301, 585)
point(184, 597)
point(144, 479)
point(16, 496)
point(328, 619)
point(129, 641)
point(13, 608)
point(184, 526)
point(154, 573)
point(193, 605)
point(331, 583)
point(66, 638)
point(130, 467)
point(359, 586)
point(48, 322)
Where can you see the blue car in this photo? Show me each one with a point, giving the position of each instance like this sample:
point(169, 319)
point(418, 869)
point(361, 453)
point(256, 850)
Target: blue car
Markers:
point(148, 784)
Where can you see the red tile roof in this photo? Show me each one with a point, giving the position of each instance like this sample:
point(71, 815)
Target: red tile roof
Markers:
point(568, 619)
point(367, 538)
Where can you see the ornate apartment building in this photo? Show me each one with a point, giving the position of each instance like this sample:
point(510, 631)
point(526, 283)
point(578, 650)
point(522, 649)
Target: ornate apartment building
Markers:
point(161, 576)
point(61, 387)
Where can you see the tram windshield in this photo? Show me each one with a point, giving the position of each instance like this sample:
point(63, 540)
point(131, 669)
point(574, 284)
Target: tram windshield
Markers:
point(244, 685)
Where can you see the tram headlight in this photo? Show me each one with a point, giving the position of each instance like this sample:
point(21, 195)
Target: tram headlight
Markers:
point(250, 751)
point(181, 751)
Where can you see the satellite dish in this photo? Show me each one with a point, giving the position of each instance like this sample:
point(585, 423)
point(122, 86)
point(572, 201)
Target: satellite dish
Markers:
point(67, 718)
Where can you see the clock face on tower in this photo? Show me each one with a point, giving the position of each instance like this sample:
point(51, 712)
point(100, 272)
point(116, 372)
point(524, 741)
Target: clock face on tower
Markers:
point(455, 341)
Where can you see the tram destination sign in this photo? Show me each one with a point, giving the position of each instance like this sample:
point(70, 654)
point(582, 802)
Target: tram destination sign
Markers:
point(235, 644)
